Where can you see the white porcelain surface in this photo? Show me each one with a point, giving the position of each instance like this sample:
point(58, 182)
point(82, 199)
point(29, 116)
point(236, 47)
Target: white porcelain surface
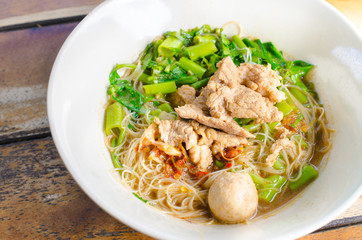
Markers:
point(116, 31)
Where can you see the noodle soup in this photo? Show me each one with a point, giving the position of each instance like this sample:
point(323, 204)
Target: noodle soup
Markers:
point(214, 129)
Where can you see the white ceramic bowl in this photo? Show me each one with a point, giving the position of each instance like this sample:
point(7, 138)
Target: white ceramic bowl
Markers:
point(116, 31)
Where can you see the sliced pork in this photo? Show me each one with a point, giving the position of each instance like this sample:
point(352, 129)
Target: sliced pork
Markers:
point(249, 91)
point(278, 145)
point(261, 79)
point(184, 95)
point(169, 135)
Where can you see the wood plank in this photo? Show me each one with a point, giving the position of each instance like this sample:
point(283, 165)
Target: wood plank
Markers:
point(26, 7)
point(352, 9)
point(354, 210)
point(345, 233)
point(58, 16)
point(40, 200)
point(26, 60)
point(353, 215)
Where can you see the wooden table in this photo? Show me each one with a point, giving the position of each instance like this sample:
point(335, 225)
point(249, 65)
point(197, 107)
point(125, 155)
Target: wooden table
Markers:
point(38, 197)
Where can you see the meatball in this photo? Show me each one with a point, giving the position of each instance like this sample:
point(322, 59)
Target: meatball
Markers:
point(233, 197)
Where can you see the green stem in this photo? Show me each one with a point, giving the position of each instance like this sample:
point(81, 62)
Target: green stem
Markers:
point(273, 125)
point(200, 84)
point(115, 161)
point(297, 121)
point(250, 44)
point(204, 38)
point(284, 107)
point(186, 80)
point(270, 190)
point(219, 164)
point(169, 47)
point(166, 87)
point(201, 50)
point(239, 43)
point(258, 179)
point(189, 65)
point(299, 95)
point(252, 127)
point(114, 118)
point(269, 46)
point(308, 174)
point(278, 165)
point(244, 121)
point(166, 107)
point(303, 143)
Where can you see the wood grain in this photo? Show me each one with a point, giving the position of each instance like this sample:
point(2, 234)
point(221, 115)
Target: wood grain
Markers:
point(345, 233)
point(26, 60)
point(26, 7)
point(352, 9)
point(40, 200)
point(353, 215)
point(46, 18)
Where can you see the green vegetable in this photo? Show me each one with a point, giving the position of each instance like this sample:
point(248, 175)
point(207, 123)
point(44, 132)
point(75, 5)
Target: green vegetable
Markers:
point(156, 112)
point(113, 143)
point(250, 44)
point(284, 107)
point(296, 70)
point(219, 164)
point(205, 38)
point(200, 84)
point(268, 187)
point(148, 54)
point(189, 65)
point(187, 36)
point(143, 200)
point(166, 87)
point(186, 80)
point(303, 143)
point(169, 47)
point(114, 75)
point(243, 121)
point(297, 121)
point(238, 41)
point(166, 107)
point(278, 165)
point(269, 46)
point(248, 123)
point(308, 174)
point(114, 118)
point(165, 69)
point(201, 50)
point(299, 95)
point(115, 161)
point(273, 125)
point(271, 189)
point(123, 92)
point(145, 78)
point(261, 48)
point(225, 45)
point(252, 127)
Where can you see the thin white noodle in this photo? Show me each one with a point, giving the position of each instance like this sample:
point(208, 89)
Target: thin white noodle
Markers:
point(187, 198)
point(237, 24)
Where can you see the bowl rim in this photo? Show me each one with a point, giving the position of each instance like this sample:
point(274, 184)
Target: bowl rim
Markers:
point(65, 155)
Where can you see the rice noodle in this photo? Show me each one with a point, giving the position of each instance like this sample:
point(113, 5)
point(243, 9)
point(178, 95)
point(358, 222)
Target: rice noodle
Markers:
point(186, 198)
